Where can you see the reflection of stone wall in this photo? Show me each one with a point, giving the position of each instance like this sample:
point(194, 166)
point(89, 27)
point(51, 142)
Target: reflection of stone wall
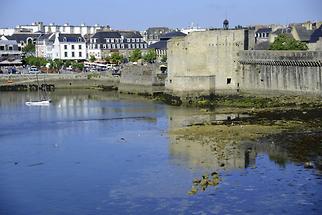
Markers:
point(203, 152)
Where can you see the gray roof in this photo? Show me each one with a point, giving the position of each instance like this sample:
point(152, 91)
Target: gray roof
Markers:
point(100, 36)
point(316, 35)
point(50, 37)
point(22, 36)
point(303, 33)
point(162, 44)
point(131, 34)
point(157, 30)
point(283, 31)
point(71, 38)
point(172, 34)
point(8, 42)
point(264, 30)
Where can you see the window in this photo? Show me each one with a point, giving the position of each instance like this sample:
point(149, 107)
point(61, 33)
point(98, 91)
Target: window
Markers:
point(80, 54)
point(107, 40)
point(66, 54)
point(137, 46)
point(65, 39)
point(133, 40)
point(80, 46)
point(122, 46)
point(73, 47)
point(79, 39)
point(73, 54)
point(2, 48)
point(112, 40)
point(10, 48)
point(128, 40)
point(117, 46)
point(104, 46)
point(109, 46)
point(228, 80)
point(137, 40)
point(65, 46)
point(113, 46)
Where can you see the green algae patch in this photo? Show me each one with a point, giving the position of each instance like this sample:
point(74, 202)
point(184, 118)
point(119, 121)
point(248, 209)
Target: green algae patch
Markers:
point(207, 180)
point(226, 133)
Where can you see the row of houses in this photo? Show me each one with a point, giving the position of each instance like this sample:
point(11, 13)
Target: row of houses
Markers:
point(308, 32)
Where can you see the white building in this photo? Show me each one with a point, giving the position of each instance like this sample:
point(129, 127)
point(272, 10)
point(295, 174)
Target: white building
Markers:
point(192, 28)
point(7, 31)
point(45, 46)
point(65, 29)
point(69, 47)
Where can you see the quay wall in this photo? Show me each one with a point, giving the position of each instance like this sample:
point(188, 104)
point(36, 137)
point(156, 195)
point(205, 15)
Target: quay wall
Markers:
point(142, 79)
point(280, 72)
point(64, 81)
point(143, 75)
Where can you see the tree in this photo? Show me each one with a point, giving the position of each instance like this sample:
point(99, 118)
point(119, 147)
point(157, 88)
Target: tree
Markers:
point(135, 55)
point(68, 63)
point(116, 58)
point(285, 42)
point(107, 59)
point(30, 47)
point(78, 66)
point(58, 63)
point(164, 59)
point(92, 58)
point(35, 61)
point(151, 56)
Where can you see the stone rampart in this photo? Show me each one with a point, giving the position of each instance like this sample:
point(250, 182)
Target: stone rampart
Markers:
point(267, 72)
point(142, 75)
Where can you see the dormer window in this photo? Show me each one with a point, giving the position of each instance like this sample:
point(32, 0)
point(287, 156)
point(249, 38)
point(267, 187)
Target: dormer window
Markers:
point(65, 39)
point(79, 39)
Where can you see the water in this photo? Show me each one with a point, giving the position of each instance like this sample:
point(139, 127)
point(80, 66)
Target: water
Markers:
point(98, 153)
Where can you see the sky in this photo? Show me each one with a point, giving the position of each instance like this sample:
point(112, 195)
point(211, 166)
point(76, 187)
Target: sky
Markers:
point(141, 14)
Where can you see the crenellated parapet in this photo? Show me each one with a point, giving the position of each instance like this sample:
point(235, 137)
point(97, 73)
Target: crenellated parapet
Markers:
point(281, 58)
point(300, 63)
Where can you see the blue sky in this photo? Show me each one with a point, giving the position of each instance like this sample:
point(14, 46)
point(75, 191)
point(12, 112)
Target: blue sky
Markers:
point(141, 14)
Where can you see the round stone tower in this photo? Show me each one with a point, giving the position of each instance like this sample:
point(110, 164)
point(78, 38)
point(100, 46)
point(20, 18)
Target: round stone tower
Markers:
point(226, 24)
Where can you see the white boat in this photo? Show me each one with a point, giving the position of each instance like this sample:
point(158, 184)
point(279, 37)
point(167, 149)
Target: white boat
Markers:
point(38, 103)
point(42, 101)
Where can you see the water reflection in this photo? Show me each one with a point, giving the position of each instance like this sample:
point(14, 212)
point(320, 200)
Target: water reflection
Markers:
point(222, 151)
point(119, 150)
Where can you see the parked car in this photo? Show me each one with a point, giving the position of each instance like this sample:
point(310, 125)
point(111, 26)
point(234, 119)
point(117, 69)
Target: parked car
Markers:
point(33, 70)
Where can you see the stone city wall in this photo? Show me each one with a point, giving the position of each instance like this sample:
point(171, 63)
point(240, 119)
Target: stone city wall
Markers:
point(206, 62)
point(267, 72)
point(144, 75)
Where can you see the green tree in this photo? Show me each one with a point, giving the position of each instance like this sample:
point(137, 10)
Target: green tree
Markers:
point(164, 59)
point(107, 59)
point(150, 56)
point(68, 63)
point(135, 55)
point(92, 58)
point(35, 61)
point(78, 66)
point(285, 42)
point(58, 63)
point(116, 58)
point(30, 47)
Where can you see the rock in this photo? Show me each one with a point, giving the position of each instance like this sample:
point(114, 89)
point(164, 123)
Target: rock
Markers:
point(308, 165)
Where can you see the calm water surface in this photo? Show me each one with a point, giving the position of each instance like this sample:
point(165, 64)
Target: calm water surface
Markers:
point(95, 153)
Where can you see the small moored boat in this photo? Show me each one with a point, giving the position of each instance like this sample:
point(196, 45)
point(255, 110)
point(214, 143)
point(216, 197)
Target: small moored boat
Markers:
point(38, 103)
